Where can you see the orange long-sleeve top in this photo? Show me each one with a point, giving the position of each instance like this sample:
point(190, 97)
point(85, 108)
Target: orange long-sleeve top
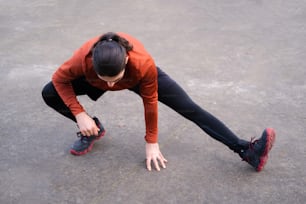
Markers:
point(140, 70)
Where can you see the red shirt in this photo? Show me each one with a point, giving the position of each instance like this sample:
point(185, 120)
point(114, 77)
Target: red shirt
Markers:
point(140, 70)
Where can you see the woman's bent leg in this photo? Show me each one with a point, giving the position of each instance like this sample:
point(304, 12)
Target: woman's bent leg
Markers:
point(80, 86)
point(53, 100)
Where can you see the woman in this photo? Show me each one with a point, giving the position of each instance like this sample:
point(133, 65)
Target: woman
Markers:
point(117, 61)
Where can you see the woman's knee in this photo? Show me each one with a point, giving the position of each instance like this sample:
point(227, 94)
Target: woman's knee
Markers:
point(48, 92)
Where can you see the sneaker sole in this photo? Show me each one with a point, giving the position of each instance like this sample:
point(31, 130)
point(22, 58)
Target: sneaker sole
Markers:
point(76, 153)
point(270, 141)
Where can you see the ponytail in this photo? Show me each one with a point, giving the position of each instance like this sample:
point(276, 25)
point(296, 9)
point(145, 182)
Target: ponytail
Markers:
point(110, 36)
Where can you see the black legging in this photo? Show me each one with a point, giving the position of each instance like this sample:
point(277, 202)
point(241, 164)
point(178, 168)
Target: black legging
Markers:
point(170, 94)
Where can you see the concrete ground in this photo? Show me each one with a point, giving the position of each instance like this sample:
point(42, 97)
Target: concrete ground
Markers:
point(242, 60)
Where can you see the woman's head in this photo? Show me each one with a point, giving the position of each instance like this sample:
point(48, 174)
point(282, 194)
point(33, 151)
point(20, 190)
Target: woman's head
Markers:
point(110, 55)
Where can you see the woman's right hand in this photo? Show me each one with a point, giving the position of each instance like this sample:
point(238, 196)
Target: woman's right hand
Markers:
point(86, 124)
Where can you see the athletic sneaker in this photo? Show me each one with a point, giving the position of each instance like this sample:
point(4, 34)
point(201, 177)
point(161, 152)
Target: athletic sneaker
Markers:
point(85, 144)
point(257, 153)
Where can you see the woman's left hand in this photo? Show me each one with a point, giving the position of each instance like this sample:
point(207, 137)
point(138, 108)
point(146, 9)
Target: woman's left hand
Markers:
point(153, 154)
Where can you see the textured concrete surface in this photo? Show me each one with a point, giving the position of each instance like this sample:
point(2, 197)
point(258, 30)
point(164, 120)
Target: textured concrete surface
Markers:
point(242, 60)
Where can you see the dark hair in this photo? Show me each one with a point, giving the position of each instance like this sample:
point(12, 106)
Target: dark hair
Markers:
point(109, 54)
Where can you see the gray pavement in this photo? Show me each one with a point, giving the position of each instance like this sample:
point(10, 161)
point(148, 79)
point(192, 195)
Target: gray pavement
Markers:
point(242, 60)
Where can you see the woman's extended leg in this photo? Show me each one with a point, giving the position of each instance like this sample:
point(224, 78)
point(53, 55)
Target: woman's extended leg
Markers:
point(172, 95)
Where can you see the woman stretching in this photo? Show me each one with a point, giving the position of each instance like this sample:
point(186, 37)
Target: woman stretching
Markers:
point(117, 61)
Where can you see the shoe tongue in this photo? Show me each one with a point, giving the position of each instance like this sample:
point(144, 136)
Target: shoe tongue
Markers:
point(85, 139)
